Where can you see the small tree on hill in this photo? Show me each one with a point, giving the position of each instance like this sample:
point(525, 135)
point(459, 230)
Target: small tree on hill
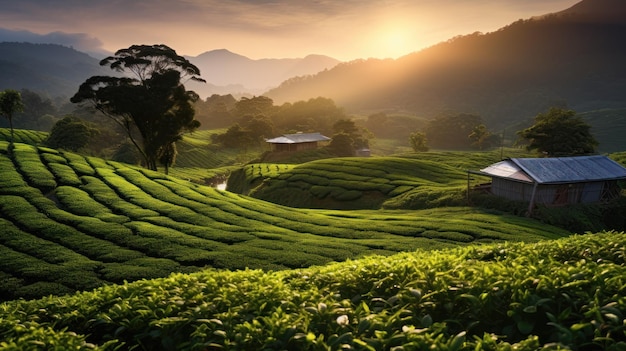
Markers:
point(358, 137)
point(418, 141)
point(341, 145)
point(70, 133)
point(10, 103)
point(559, 132)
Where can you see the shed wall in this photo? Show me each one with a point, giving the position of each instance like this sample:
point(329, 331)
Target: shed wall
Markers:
point(516, 191)
point(552, 194)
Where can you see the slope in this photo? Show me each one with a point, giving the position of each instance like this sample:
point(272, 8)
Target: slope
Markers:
point(48, 69)
point(73, 223)
point(507, 75)
point(429, 180)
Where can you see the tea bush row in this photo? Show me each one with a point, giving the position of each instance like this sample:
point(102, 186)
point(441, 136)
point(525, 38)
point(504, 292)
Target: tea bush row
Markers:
point(113, 216)
point(330, 183)
point(25, 136)
point(565, 294)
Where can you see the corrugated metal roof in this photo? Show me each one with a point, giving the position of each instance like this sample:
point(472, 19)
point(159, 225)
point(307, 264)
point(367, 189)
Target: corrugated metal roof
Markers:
point(558, 169)
point(298, 138)
point(507, 169)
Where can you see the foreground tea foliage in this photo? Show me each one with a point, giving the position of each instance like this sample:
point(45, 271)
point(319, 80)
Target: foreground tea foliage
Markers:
point(75, 223)
point(563, 294)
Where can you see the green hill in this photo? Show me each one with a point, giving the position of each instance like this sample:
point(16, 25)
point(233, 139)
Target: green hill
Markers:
point(565, 294)
point(409, 181)
point(71, 222)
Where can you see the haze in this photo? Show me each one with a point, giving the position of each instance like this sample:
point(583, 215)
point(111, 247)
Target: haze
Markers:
point(345, 30)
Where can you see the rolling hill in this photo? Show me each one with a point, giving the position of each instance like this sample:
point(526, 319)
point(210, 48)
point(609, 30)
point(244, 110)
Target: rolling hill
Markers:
point(574, 58)
point(431, 180)
point(71, 222)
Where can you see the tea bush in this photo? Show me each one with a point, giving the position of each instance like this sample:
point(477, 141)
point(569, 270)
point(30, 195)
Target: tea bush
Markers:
point(564, 294)
point(82, 221)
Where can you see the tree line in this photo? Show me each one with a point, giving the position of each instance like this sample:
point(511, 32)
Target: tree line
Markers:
point(556, 132)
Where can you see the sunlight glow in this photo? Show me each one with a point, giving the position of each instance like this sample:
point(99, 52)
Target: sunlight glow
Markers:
point(393, 42)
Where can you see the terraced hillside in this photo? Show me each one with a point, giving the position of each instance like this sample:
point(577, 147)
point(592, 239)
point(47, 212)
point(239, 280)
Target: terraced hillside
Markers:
point(23, 136)
point(410, 181)
point(70, 222)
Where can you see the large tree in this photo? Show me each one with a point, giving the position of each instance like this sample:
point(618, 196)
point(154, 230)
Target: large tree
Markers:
point(10, 103)
point(149, 102)
point(559, 132)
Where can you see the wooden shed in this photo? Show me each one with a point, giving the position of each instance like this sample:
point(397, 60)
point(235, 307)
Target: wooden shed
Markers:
point(555, 181)
point(297, 142)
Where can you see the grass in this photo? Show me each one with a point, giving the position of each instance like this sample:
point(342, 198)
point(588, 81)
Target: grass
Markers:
point(118, 218)
point(564, 294)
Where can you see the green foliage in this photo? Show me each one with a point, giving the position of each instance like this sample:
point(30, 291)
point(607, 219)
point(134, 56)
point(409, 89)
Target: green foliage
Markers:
point(452, 132)
point(559, 132)
point(427, 180)
point(70, 133)
point(29, 163)
point(23, 136)
point(237, 137)
point(153, 103)
point(10, 104)
point(560, 294)
point(418, 141)
point(75, 223)
point(341, 145)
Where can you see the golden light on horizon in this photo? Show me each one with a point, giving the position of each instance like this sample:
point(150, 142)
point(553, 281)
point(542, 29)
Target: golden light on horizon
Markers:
point(392, 38)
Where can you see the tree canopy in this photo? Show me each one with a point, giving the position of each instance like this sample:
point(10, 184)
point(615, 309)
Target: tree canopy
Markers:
point(10, 103)
point(151, 105)
point(559, 132)
point(70, 133)
point(452, 132)
point(418, 141)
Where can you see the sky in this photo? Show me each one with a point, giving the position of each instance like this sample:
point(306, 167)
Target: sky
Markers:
point(343, 29)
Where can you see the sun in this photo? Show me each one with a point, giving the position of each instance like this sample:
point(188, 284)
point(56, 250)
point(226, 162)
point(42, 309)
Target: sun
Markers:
point(394, 42)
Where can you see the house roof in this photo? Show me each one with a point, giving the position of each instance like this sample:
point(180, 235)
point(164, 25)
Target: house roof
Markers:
point(298, 138)
point(556, 170)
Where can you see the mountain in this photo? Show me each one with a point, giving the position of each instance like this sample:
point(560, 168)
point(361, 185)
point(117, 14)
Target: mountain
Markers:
point(55, 70)
point(49, 69)
point(240, 74)
point(574, 57)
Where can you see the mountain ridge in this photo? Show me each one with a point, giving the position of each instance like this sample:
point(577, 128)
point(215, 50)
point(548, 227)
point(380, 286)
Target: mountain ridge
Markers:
point(571, 58)
point(56, 70)
point(222, 67)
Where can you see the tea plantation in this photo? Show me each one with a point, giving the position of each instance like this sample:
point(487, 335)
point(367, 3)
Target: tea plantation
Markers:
point(566, 294)
point(404, 181)
point(71, 223)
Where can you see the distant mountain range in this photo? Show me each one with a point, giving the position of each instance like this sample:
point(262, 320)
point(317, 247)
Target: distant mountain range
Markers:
point(49, 69)
point(56, 70)
point(574, 58)
point(228, 72)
